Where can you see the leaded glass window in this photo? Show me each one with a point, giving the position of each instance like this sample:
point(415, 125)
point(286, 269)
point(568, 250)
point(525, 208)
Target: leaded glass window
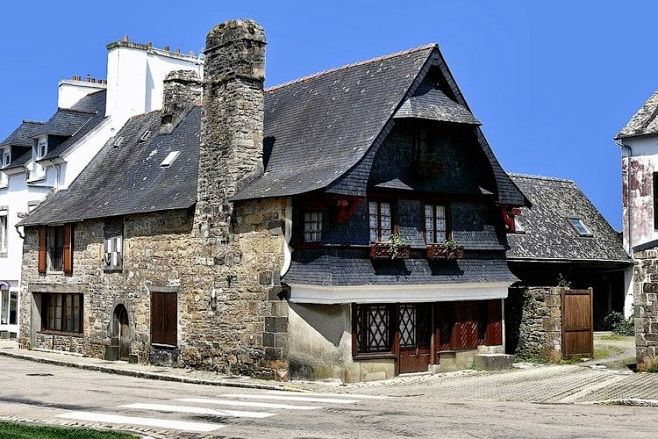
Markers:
point(380, 221)
point(312, 226)
point(436, 230)
point(373, 328)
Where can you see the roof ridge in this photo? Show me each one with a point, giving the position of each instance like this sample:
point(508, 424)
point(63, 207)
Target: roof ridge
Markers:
point(540, 177)
point(35, 122)
point(73, 110)
point(358, 63)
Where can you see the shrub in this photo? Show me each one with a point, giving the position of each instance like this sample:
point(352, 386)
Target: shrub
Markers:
point(616, 323)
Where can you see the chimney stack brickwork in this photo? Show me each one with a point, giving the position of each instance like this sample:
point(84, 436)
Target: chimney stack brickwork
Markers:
point(182, 88)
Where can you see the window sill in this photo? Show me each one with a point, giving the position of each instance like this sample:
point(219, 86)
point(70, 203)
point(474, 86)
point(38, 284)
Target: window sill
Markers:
point(62, 333)
point(375, 356)
point(112, 269)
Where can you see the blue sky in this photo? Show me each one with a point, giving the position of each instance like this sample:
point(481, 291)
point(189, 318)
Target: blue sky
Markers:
point(551, 81)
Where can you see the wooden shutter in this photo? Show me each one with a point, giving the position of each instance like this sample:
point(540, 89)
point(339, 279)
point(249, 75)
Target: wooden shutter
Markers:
point(67, 250)
point(164, 318)
point(43, 261)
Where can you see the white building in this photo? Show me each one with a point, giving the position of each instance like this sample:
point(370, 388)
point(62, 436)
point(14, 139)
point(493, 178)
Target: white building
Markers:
point(40, 157)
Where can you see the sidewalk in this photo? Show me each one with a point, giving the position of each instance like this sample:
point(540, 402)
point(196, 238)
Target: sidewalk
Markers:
point(10, 348)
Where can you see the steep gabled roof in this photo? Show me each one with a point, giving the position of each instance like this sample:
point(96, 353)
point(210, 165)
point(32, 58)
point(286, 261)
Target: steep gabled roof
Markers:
point(548, 233)
point(65, 122)
point(322, 131)
point(644, 122)
point(128, 179)
point(22, 136)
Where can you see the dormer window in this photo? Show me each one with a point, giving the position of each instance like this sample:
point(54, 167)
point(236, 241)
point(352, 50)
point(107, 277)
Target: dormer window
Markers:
point(579, 226)
point(381, 225)
point(6, 158)
point(312, 226)
point(42, 148)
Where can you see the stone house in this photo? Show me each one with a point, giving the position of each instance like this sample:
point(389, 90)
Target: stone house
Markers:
point(349, 224)
point(41, 157)
point(639, 163)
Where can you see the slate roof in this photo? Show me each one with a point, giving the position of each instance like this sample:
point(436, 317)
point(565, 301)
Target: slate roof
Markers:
point(128, 179)
point(65, 122)
point(431, 103)
point(644, 122)
point(94, 103)
point(550, 236)
point(345, 267)
point(22, 136)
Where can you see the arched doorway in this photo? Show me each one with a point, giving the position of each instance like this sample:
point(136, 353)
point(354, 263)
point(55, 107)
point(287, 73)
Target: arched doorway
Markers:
point(121, 332)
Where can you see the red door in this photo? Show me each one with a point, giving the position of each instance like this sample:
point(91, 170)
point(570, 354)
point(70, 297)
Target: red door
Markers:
point(415, 320)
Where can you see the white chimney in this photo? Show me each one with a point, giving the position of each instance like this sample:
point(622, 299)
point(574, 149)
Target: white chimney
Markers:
point(70, 91)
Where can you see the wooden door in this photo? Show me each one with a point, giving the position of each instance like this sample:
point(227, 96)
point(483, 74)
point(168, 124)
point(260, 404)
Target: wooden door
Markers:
point(124, 335)
point(415, 328)
point(577, 324)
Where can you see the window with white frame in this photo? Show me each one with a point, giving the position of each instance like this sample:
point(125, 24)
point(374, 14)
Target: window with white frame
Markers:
point(42, 148)
point(381, 224)
point(312, 226)
point(113, 247)
point(436, 230)
point(4, 233)
point(6, 158)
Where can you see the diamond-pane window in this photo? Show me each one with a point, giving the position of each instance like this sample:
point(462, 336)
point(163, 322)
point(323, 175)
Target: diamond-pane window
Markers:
point(312, 226)
point(373, 328)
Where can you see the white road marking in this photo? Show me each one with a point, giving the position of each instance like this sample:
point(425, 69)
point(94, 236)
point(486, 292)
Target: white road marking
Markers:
point(107, 418)
point(288, 398)
point(333, 395)
point(265, 405)
point(197, 410)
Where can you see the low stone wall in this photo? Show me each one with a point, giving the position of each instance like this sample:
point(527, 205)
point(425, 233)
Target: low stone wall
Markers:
point(533, 323)
point(645, 294)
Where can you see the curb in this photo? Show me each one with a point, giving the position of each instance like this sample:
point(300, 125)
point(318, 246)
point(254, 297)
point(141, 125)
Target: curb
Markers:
point(146, 375)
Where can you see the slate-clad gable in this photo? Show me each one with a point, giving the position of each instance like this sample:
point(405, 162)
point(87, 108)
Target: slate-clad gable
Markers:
point(548, 234)
point(644, 122)
point(429, 102)
point(22, 136)
point(128, 179)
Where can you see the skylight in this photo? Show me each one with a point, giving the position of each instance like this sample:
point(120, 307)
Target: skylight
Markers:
point(169, 159)
point(579, 226)
point(118, 141)
point(145, 136)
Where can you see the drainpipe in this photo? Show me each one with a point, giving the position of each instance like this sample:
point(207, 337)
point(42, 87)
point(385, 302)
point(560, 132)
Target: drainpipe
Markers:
point(621, 143)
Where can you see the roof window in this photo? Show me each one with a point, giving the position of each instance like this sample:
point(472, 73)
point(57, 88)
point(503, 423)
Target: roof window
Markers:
point(119, 141)
point(145, 136)
point(579, 226)
point(173, 155)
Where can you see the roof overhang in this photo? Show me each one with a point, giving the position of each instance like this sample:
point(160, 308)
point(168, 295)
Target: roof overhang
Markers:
point(448, 292)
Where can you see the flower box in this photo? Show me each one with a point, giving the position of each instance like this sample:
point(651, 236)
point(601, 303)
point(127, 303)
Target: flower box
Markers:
point(441, 251)
point(385, 250)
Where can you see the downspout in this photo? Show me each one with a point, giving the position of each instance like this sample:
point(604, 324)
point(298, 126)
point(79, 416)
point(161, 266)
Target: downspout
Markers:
point(620, 143)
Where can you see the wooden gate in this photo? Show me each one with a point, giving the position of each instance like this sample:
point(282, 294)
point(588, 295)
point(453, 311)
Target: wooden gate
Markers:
point(577, 324)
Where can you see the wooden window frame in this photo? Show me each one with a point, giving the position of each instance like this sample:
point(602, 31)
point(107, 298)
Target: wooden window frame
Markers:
point(47, 298)
point(394, 227)
point(321, 215)
point(358, 354)
point(159, 336)
point(44, 252)
point(448, 230)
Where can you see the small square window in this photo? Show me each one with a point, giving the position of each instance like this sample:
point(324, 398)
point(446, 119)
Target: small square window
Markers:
point(312, 226)
point(42, 148)
point(6, 158)
point(580, 226)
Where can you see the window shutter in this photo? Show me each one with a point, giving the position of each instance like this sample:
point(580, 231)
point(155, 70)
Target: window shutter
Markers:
point(42, 250)
point(67, 250)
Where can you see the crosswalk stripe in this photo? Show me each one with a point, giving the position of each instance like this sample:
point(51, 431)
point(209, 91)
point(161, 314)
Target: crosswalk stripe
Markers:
point(333, 395)
point(265, 405)
point(107, 418)
point(288, 398)
point(197, 410)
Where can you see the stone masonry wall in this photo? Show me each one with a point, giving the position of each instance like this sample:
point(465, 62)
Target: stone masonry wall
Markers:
point(645, 295)
point(533, 323)
point(243, 329)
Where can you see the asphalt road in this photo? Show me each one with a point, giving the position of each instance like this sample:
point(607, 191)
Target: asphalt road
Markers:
point(413, 408)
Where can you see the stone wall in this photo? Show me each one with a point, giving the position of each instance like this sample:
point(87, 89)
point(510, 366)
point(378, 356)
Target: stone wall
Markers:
point(231, 321)
point(645, 294)
point(533, 323)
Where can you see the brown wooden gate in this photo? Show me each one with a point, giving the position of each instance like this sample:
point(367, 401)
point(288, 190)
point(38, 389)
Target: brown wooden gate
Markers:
point(577, 324)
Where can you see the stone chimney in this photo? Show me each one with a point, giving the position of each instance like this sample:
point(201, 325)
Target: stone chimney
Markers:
point(232, 125)
point(182, 88)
